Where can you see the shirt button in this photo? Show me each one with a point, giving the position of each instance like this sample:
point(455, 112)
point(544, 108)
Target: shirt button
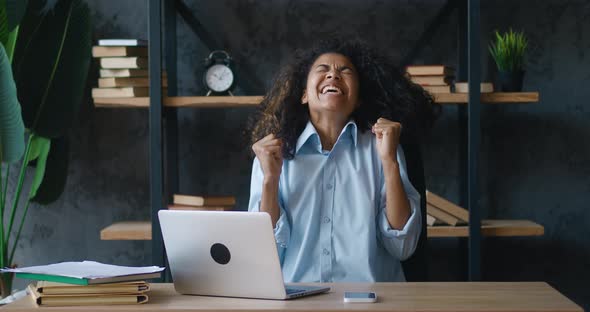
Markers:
point(326, 252)
point(326, 220)
point(329, 186)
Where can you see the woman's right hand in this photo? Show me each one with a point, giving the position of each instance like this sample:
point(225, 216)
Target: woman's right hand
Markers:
point(269, 152)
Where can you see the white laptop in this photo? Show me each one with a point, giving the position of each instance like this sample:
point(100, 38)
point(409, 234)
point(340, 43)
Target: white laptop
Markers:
point(223, 253)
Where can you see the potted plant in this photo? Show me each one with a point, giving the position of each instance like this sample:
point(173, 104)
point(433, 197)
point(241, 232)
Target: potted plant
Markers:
point(50, 62)
point(508, 51)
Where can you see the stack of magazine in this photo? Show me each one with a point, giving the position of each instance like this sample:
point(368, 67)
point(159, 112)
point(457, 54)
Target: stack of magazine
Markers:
point(87, 283)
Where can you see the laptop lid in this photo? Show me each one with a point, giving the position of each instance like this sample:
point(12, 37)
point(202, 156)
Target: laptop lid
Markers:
point(222, 253)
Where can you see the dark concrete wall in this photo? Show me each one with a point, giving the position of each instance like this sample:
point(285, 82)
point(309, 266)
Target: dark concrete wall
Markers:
point(534, 157)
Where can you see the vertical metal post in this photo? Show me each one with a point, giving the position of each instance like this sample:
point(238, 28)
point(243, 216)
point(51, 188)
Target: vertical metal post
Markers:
point(473, 112)
point(462, 40)
point(155, 124)
point(171, 113)
point(462, 109)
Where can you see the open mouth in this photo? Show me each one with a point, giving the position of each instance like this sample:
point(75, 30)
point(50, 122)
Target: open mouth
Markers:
point(331, 90)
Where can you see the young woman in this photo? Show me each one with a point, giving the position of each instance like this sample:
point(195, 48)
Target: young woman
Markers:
point(329, 168)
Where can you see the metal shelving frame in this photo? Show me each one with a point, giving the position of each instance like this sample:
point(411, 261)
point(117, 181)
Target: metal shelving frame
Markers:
point(164, 165)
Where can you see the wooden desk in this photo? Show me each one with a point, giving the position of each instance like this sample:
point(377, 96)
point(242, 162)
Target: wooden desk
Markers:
point(483, 296)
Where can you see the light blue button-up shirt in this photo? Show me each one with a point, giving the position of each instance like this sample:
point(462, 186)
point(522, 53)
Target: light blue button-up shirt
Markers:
point(333, 225)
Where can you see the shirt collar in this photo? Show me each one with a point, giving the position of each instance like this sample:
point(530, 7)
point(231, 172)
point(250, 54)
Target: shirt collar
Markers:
point(349, 129)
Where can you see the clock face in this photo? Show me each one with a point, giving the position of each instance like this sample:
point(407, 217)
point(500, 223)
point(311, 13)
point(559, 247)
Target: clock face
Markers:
point(219, 78)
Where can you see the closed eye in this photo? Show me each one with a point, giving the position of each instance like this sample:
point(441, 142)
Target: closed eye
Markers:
point(346, 70)
point(322, 68)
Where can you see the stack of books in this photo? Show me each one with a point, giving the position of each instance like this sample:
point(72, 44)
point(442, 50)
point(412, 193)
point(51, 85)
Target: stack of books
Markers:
point(52, 294)
point(213, 203)
point(433, 78)
point(87, 283)
point(440, 211)
point(123, 68)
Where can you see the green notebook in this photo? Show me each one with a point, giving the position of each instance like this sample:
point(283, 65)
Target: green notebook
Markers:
point(87, 281)
point(85, 273)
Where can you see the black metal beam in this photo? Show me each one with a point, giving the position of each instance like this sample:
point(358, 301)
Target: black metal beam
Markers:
point(461, 75)
point(245, 75)
point(155, 125)
point(171, 170)
point(429, 32)
point(462, 110)
point(473, 112)
point(198, 28)
point(171, 113)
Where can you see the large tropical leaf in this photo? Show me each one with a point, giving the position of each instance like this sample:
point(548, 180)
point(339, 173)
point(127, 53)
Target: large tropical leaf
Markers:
point(40, 147)
point(12, 129)
point(56, 172)
point(51, 64)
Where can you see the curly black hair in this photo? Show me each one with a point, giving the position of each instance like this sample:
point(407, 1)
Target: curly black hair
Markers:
point(384, 91)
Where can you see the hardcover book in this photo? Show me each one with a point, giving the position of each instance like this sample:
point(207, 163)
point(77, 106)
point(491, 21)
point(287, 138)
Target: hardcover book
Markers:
point(124, 62)
point(190, 200)
point(52, 288)
point(102, 51)
point(120, 92)
point(447, 206)
point(429, 70)
point(209, 208)
point(125, 72)
point(113, 82)
point(443, 216)
point(122, 42)
point(41, 299)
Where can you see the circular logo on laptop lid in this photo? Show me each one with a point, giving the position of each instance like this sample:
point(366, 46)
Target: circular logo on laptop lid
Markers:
point(220, 253)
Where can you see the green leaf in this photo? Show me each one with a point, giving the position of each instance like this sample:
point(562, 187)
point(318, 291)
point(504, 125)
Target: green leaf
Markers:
point(11, 43)
point(57, 53)
point(35, 149)
point(12, 129)
point(56, 172)
point(41, 146)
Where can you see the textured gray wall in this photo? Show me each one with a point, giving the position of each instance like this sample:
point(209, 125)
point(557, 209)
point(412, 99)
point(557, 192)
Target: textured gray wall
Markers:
point(534, 156)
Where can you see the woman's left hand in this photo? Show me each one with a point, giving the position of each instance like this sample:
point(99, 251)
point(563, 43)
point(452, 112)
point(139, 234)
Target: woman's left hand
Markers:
point(388, 133)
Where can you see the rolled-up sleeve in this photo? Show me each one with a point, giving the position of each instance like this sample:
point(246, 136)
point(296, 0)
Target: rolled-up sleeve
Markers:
point(282, 230)
point(401, 243)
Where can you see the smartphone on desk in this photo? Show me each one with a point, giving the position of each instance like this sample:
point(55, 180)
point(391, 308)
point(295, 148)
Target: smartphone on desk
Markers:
point(352, 297)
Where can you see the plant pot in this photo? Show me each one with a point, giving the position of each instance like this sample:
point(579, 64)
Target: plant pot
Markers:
point(6, 284)
point(510, 81)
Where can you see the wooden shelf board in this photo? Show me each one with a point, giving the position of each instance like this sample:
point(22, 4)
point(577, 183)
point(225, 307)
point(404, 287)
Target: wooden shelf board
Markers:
point(129, 230)
point(252, 101)
point(490, 98)
point(142, 230)
point(182, 101)
point(490, 228)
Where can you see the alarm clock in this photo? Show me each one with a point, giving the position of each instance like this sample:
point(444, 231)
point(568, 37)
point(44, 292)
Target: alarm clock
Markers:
point(219, 77)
